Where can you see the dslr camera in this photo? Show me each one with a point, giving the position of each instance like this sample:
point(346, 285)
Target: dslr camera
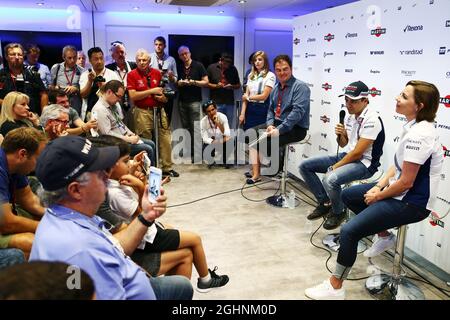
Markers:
point(169, 93)
point(99, 79)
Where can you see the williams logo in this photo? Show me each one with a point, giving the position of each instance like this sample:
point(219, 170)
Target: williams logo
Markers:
point(329, 37)
point(375, 71)
point(349, 70)
point(374, 92)
point(408, 73)
point(378, 32)
point(327, 54)
point(351, 35)
point(446, 101)
point(411, 52)
point(327, 86)
point(349, 53)
point(442, 50)
point(447, 23)
point(409, 28)
point(374, 53)
point(327, 70)
point(311, 40)
point(308, 55)
point(324, 119)
point(296, 41)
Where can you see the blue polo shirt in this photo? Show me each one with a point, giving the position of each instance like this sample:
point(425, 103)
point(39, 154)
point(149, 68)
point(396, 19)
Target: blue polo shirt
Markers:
point(71, 237)
point(295, 105)
point(9, 183)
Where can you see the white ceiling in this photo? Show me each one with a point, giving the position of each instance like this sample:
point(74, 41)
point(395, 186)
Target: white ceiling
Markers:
point(279, 9)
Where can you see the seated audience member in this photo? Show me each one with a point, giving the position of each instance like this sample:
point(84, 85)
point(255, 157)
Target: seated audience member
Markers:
point(110, 119)
point(66, 77)
point(9, 257)
point(215, 133)
point(287, 117)
point(76, 125)
point(73, 189)
point(363, 135)
point(255, 100)
point(18, 155)
point(55, 120)
point(406, 194)
point(16, 113)
point(33, 52)
point(125, 191)
point(43, 280)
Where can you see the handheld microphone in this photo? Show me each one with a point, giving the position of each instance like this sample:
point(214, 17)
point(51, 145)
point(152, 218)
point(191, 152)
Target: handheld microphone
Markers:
point(341, 121)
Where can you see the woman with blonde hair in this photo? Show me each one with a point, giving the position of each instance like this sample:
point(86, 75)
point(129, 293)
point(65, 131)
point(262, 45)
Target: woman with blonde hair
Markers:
point(16, 113)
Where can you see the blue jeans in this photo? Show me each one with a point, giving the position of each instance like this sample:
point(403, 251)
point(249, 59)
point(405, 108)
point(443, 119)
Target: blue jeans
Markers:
point(172, 288)
point(330, 187)
point(148, 146)
point(9, 257)
point(379, 216)
point(230, 111)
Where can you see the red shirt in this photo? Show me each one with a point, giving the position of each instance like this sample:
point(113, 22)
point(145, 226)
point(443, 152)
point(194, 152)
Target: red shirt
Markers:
point(136, 80)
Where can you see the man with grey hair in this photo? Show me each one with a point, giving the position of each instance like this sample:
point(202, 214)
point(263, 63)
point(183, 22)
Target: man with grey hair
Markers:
point(73, 189)
point(66, 76)
point(55, 120)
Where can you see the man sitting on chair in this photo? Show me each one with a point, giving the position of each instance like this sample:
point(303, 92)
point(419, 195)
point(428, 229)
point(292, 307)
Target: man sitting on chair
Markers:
point(363, 135)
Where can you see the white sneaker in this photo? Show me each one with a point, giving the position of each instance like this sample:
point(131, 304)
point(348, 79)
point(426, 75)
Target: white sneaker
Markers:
point(325, 291)
point(380, 245)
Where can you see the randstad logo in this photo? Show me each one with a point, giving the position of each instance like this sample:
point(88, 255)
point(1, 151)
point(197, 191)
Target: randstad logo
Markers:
point(413, 28)
point(411, 52)
point(327, 86)
point(329, 37)
point(378, 32)
point(374, 92)
point(351, 35)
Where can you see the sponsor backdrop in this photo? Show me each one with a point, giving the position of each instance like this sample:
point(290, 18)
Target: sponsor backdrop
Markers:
point(384, 44)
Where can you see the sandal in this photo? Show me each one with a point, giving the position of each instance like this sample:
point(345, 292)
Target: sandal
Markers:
point(248, 174)
point(253, 181)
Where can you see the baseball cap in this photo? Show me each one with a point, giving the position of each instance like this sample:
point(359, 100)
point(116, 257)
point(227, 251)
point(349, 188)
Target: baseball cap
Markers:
point(66, 158)
point(356, 90)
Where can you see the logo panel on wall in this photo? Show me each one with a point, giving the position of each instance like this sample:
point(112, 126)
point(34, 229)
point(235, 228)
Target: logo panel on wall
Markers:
point(351, 35)
point(446, 101)
point(323, 148)
point(324, 119)
point(377, 32)
point(296, 41)
point(376, 53)
point(446, 151)
point(374, 92)
point(327, 70)
point(349, 53)
point(447, 23)
point(409, 28)
point(309, 55)
point(329, 37)
point(375, 71)
point(322, 102)
point(443, 126)
point(408, 73)
point(349, 70)
point(311, 40)
point(327, 86)
point(411, 52)
point(327, 54)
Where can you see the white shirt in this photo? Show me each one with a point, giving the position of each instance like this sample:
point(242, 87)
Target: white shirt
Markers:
point(209, 129)
point(257, 86)
point(420, 144)
point(368, 126)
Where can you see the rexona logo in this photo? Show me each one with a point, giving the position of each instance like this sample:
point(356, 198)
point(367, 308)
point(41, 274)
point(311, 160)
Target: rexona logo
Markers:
point(327, 86)
point(349, 53)
point(327, 54)
point(296, 41)
point(374, 92)
point(351, 35)
point(324, 119)
point(378, 32)
point(413, 28)
point(308, 55)
point(311, 40)
point(375, 71)
point(446, 101)
point(408, 73)
point(349, 70)
point(329, 37)
point(373, 53)
point(411, 52)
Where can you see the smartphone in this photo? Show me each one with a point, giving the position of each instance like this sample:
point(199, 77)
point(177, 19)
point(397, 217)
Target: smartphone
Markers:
point(147, 163)
point(94, 132)
point(154, 184)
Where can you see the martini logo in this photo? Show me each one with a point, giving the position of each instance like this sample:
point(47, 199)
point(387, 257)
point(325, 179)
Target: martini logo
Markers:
point(378, 32)
point(446, 152)
point(327, 86)
point(324, 119)
point(296, 41)
point(329, 37)
point(446, 101)
point(374, 92)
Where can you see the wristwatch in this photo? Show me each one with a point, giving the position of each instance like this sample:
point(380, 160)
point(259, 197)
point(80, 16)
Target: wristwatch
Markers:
point(146, 223)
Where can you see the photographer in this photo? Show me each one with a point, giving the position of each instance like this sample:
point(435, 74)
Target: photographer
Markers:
point(146, 94)
point(92, 79)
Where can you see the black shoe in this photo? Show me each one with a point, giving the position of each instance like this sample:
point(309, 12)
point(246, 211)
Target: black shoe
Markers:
point(215, 282)
point(248, 174)
point(319, 211)
point(334, 220)
point(171, 173)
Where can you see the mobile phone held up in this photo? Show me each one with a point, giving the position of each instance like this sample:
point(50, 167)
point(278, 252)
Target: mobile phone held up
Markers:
point(154, 184)
point(146, 166)
point(94, 132)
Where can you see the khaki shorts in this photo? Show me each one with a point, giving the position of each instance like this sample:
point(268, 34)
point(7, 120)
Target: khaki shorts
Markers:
point(4, 240)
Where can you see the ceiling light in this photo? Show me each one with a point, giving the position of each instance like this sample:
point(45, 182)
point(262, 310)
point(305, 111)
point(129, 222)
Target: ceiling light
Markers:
point(40, 3)
point(136, 8)
point(220, 12)
point(242, 1)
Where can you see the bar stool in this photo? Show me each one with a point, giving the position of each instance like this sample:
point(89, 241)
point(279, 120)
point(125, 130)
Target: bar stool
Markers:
point(395, 286)
point(280, 201)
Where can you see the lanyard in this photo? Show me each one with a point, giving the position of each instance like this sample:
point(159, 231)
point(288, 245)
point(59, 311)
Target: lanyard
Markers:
point(69, 82)
point(279, 101)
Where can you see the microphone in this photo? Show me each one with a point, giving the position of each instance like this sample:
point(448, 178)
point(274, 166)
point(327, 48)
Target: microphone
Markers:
point(341, 121)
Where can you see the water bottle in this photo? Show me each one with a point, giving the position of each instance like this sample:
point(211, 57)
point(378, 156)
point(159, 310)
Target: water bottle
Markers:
point(307, 227)
point(291, 200)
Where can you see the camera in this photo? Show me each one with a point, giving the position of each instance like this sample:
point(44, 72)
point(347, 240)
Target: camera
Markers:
point(99, 79)
point(169, 93)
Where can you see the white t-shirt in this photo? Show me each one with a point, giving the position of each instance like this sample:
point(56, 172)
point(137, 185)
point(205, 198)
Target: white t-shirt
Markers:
point(257, 86)
point(420, 144)
point(208, 128)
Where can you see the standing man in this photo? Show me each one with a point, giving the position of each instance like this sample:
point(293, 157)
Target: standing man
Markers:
point(14, 77)
point(168, 68)
point(66, 76)
point(121, 67)
point(33, 53)
point(92, 79)
point(70, 232)
point(223, 80)
point(146, 94)
point(363, 135)
point(193, 77)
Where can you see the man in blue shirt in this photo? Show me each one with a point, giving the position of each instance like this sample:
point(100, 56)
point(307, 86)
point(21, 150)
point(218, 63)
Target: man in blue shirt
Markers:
point(73, 175)
point(18, 155)
point(287, 117)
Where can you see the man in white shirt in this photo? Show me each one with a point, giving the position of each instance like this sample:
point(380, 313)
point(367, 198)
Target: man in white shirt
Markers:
point(215, 134)
point(363, 135)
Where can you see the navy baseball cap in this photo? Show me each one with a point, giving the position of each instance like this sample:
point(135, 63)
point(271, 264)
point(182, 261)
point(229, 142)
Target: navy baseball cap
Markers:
point(356, 90)
point(66, 158)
